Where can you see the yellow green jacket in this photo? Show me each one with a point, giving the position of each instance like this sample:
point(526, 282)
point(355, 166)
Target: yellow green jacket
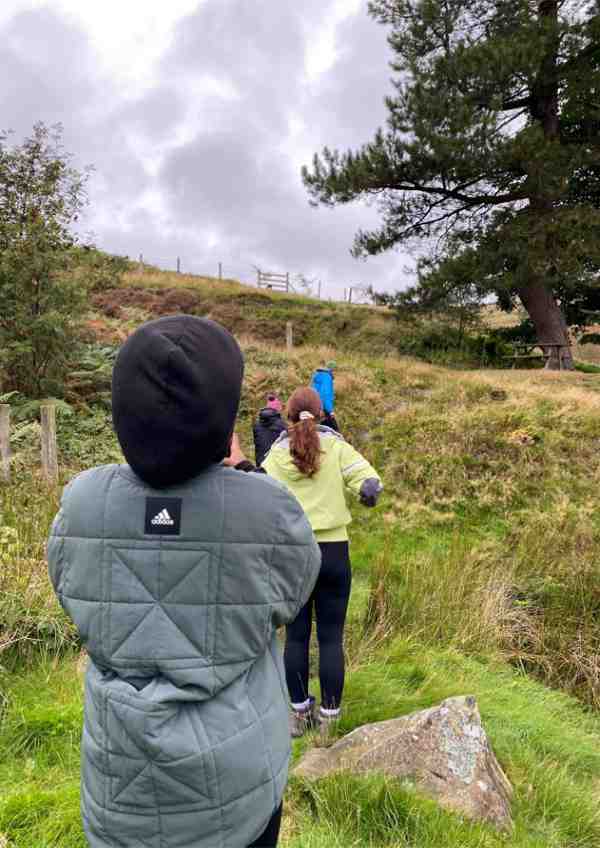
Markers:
point(323, 496)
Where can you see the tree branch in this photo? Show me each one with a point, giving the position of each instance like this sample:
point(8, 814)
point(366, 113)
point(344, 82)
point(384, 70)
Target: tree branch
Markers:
point(520, 103)
point(467, 200)
point(423, 222)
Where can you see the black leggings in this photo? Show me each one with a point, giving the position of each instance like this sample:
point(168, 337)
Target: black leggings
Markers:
point(271, 834)
point(330, 601)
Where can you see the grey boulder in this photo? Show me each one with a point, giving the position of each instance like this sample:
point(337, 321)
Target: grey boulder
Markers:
point(444, 751)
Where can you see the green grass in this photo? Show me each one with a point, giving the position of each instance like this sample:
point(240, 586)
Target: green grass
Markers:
point(39, 738)
point(548, 745)
point(43, 819)
point(587, 368)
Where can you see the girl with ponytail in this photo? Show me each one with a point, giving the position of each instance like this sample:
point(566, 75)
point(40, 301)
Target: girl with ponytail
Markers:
point(318, 467)
point(304, 412)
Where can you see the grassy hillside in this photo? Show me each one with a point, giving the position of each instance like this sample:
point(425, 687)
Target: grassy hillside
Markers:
point(478, 573)
point(259, 314)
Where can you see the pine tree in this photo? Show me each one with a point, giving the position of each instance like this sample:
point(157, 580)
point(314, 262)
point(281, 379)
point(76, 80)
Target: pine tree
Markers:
point(492, 146)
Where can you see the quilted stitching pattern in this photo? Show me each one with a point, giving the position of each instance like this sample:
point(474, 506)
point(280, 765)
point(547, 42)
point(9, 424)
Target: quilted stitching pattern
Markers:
point(187, 744)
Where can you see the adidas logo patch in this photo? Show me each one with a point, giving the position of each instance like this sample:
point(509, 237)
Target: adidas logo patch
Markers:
point(163, 517)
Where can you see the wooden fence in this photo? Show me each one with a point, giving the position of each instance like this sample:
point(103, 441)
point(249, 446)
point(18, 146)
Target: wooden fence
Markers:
point(268, 280)
point(49, 454)
point(358, 295)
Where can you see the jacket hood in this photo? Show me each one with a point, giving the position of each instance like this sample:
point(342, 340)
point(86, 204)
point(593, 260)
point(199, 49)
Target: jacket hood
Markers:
point(176, 391)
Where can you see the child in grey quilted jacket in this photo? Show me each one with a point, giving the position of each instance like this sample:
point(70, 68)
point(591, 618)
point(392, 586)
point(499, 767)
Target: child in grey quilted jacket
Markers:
point(176, 571)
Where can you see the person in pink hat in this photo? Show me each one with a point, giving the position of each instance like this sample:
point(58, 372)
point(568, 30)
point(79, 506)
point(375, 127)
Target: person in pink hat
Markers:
point(273, 402)
point(268, 427)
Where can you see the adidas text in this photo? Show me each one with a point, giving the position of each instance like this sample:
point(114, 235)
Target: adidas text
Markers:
point(163, 517)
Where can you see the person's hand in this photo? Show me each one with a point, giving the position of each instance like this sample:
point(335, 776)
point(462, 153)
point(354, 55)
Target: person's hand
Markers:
point(236, 455)
point(370, 491)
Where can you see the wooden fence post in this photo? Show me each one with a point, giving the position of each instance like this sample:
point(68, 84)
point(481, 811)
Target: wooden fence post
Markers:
point(220, 270)
point(178, 265)
point(289, 335)
point(5, 442)
point(49, 453)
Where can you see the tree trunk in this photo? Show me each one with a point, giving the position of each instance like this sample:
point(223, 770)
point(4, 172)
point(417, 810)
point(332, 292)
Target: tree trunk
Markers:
point(545, 101)
point(537, 298)
point(550, 325)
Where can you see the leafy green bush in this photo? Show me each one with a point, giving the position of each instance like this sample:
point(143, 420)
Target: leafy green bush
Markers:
point(41, 302)
point(445, 344)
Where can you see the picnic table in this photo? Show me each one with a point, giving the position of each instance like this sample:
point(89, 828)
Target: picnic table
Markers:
point(524, 351)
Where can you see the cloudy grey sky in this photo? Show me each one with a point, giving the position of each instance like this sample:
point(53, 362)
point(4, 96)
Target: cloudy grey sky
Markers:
point(197, 115)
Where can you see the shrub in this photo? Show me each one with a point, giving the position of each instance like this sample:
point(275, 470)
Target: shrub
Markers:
point(99, 271)
point(443, 343)
point(41, 302)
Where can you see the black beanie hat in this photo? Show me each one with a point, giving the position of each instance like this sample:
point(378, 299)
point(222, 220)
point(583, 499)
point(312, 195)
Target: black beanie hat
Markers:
point(176, 391)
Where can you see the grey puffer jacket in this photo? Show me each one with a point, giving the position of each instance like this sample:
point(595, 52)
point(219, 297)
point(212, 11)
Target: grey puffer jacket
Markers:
point(176, 594)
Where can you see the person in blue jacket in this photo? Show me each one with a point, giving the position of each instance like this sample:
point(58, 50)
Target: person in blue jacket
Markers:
point(323, 383)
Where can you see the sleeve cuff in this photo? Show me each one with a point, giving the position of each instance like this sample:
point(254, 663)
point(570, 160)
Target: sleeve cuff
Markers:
point(247, 466)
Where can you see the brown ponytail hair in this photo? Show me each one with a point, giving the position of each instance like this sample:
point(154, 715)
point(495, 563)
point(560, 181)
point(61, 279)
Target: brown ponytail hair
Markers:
point(305, 445)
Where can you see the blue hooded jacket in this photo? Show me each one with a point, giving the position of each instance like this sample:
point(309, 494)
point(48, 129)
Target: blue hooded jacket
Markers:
point(322, 382)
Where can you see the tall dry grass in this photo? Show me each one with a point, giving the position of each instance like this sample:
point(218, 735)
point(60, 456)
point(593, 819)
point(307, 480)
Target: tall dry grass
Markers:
point(30, 618)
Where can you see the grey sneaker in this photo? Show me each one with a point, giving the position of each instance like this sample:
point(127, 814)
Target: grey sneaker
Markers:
point(328, 725)
point(302, 721)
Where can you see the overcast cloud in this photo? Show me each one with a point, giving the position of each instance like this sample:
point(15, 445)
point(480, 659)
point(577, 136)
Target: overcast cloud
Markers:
point(198, 118)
